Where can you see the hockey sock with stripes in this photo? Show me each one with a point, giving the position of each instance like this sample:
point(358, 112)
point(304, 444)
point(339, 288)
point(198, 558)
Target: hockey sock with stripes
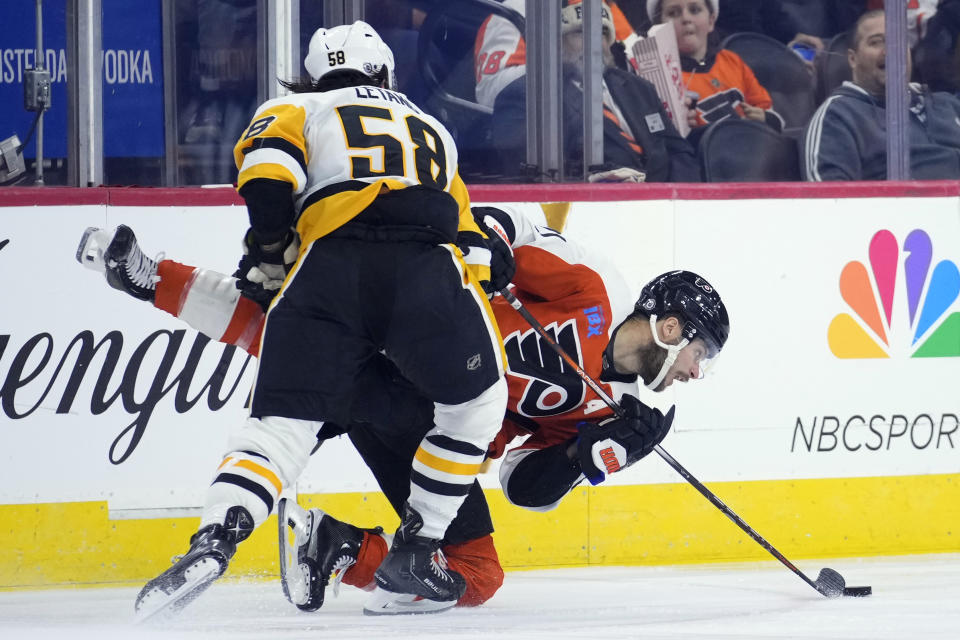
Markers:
point(210, 303)
point(246, 479)
point(444, 469)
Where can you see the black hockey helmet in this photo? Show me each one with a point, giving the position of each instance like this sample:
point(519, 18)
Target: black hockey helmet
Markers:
point(694, 299)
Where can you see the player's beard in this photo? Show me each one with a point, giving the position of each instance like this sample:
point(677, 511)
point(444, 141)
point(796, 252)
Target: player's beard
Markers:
point(652, 358)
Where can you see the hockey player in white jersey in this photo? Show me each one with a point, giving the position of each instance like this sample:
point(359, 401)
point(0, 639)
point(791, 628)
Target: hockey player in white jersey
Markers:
point(357, 216)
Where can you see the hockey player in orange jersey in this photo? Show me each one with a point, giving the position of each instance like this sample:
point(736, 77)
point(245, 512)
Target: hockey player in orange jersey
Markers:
point(669, 334)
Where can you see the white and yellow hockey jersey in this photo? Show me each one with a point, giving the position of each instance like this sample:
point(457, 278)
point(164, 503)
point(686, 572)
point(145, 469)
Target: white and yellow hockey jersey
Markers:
point(342, 148)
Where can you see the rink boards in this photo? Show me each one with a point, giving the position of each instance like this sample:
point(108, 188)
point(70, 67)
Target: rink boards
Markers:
point(830, 422)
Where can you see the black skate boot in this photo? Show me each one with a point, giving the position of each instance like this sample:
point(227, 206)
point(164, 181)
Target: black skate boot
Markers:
point(414, 578)
point(314, 546)
point(210, 552)
point(127, 267)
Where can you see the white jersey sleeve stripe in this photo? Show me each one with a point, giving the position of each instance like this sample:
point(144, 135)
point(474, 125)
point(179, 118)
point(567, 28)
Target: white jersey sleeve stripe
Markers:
point(266, 155)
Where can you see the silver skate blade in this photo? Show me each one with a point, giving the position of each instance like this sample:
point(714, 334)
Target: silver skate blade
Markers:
point(296, 517)
point(293, 527)
point(386, 603)
point(89, 251)
point(197, 577)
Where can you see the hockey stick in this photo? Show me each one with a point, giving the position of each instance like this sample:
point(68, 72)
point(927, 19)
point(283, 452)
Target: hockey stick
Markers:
point(828, 583)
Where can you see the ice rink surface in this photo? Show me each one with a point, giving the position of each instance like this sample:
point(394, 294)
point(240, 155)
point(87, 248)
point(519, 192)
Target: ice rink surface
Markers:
point(913, 597)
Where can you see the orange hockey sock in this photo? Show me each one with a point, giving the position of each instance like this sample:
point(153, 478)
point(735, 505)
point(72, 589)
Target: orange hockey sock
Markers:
point(477, 561)
point(373, 550)
point(173, 286)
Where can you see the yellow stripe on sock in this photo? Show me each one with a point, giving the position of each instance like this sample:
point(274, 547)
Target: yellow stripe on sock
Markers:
point(249, 465)
point(446, 466)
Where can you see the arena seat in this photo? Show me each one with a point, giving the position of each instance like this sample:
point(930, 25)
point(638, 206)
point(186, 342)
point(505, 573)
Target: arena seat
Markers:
point(737, 150)
point(832, 65)
point(445, 60)
point(782, 73)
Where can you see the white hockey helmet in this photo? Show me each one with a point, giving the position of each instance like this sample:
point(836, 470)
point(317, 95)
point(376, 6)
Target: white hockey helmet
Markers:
point(354, 46)
point(571, 18)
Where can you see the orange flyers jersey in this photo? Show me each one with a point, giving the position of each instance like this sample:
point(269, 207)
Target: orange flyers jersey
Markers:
point(723, 88)
point(580, 299)
point(500, 53)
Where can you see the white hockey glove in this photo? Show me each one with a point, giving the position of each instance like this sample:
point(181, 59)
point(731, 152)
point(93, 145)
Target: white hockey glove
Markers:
point(263, 268)
point(623, 174)
point(617, 443)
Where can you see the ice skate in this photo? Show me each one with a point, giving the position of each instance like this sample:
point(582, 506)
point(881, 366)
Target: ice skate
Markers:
point(210, 552)
point(314, 547)
point(92, 245)
point(117, 255)
point(414, 578)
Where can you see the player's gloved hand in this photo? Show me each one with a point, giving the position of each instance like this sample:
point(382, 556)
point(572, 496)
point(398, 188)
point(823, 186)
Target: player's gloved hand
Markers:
point(502, 264)
point(264, 267)
point(491, 259)
point(616, 443)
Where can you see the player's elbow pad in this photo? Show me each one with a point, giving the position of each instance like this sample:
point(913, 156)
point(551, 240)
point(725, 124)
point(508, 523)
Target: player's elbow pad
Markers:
point(270, 203)
point(542, 478)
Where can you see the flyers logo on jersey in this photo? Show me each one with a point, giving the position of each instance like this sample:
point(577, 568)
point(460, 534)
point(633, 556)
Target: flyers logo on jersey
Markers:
point(720, 105)
point(553, 387)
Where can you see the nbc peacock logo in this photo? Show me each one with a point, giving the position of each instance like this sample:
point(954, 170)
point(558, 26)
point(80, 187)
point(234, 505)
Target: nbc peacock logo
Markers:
point(884, 327)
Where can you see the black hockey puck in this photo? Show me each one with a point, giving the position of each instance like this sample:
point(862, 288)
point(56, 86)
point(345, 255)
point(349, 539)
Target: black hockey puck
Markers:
point(857, 592)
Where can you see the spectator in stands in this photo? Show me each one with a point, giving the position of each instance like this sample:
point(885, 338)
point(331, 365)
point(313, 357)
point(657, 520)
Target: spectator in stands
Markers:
point(640, 142)
point(847, 137)
point(719, 82)
point(769, 18)
point(500, 52)
point(937, 54)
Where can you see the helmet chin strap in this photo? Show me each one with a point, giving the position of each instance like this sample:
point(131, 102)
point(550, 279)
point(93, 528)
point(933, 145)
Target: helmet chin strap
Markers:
point(673, 350)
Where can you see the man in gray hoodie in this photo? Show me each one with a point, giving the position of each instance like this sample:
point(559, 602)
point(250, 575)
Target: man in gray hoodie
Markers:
point(847, 138)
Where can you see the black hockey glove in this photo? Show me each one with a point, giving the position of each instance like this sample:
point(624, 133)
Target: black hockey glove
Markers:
point(491, 264)
point(617, 443)
point(502, 265)
point(264, 267)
